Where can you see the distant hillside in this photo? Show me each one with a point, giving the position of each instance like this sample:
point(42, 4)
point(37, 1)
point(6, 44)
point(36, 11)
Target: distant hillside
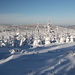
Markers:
point(70, 26)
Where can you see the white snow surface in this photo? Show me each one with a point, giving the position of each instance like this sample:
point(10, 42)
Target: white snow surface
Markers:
point(52, 59)
point(37, 50)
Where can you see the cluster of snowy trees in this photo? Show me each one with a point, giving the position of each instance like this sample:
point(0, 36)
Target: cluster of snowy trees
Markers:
point(37, 36)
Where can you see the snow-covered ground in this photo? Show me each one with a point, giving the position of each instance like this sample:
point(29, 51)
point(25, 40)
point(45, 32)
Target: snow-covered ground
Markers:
point(52, 59)
point(37, 50)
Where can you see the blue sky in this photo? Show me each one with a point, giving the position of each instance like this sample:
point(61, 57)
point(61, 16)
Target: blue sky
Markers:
point(60, 12)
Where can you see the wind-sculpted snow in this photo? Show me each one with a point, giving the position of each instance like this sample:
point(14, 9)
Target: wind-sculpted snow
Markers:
point(6, 60)
point(52, 59)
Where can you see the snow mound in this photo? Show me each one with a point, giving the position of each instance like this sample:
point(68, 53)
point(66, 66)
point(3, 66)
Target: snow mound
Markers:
point(16, 50)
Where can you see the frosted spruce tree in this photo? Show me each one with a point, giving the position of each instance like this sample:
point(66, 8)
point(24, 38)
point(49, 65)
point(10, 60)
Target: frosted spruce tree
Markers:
point(37, 37)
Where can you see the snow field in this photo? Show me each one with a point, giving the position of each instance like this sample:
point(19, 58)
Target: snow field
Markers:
point(57, 60)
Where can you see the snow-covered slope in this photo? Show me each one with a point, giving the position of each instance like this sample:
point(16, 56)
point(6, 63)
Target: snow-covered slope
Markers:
point(37, 50)
point(53, 59)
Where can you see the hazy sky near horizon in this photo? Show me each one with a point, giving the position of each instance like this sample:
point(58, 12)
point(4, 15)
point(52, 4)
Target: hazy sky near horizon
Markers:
point(60, 12)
